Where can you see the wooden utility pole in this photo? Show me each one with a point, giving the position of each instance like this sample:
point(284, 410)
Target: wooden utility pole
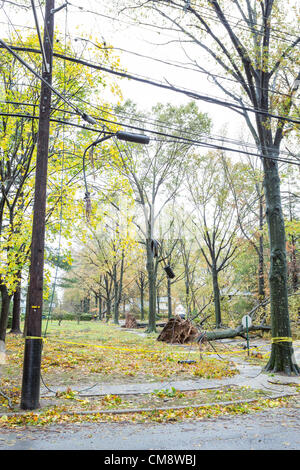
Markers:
point(33, 341)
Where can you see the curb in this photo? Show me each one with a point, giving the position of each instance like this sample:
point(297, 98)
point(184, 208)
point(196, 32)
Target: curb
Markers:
point(146, 410)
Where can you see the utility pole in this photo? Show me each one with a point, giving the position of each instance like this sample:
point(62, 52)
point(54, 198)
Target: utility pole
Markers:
point(33, 341)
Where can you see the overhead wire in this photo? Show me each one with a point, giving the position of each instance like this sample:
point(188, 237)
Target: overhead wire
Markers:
point(76, 109)
point(194, 94)
point(161, 124)
point(182, 66)
point(237, 26)
point(190, 93)
point(153, 122)
point(61, 189)
point(179, 65)
point(162, 134)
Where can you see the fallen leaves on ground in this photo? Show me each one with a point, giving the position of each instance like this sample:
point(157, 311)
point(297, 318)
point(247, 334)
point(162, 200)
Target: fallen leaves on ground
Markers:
point(83, 354)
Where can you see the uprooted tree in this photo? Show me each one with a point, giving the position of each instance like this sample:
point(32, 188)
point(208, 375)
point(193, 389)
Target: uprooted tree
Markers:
point(178, 330)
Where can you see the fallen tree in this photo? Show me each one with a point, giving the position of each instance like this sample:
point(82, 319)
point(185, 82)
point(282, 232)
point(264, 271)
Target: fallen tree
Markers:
point(230, 332)
point(240, 330)
point(178, 330)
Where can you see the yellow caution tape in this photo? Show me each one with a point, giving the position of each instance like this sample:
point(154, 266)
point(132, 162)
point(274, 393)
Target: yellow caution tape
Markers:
point(34, 337)
point(148, 351)
point(281, 339)
point(104, 347)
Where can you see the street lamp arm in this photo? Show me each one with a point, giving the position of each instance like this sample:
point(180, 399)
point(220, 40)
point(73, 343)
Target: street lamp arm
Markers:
point(121, 135)
point(96, 142)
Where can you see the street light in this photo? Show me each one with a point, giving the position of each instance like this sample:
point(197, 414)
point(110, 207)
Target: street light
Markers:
point(130, 137)
point(121, 135)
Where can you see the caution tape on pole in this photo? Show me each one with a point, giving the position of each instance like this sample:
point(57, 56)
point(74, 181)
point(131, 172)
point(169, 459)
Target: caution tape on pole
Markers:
point(282, 339)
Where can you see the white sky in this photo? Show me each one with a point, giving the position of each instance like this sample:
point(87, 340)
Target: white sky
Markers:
point(141, 40)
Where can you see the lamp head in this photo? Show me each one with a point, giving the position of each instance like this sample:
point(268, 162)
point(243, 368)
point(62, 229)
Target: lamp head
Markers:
point(130, 137)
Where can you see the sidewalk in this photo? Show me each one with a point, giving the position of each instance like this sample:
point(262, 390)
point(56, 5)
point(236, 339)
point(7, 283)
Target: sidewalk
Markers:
point(249, 375)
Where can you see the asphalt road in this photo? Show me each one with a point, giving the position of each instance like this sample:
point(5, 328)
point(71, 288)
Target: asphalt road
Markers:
point(277, 429)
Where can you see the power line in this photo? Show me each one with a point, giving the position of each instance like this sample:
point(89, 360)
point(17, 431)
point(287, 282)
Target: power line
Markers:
point(145, 80)
point(149, 122)
point(237, 26)
point(170, 127)
point(75, 108)
point(193, 68)
point(179, 65)
point(204, 72)
point(60, 121)
point(204, 144)
point(162, 134)
point(190, 93)
point(23, 62)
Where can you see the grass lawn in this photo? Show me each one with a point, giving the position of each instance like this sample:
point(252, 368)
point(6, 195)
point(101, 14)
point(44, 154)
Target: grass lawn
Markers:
point(82, 355)
point(92, 351)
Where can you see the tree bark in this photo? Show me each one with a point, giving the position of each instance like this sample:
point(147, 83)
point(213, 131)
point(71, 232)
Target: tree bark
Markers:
point(282, 354)
point(100, 307)
point(232, 332)
point(15, 328)
point(5, 302)
point(157, 302)
point(169, 299)
point(142, 301)
point(293, 264)
point(116, 295)
point(261, 268)
point(216, 296)
point(151, 286)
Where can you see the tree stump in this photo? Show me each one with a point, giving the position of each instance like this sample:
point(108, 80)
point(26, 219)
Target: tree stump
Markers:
point(178, 330)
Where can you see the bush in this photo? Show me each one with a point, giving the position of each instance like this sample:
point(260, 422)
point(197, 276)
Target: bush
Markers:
point(67, 316)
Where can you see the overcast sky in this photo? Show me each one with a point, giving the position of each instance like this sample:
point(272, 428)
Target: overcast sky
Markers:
point(122, 33)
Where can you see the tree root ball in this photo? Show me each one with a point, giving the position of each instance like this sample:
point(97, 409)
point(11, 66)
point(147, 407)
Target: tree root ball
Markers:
point(180, 331)
point(130, 321)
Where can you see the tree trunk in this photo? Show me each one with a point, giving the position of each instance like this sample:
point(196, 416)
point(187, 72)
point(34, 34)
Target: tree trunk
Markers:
point(187, 297)
point(116, 295)
point(5, 302)
point(142, 302)
point(282, 354)
point(108, 309)
point(261, 269)
point(169, 299)
point(116, 311)
point(293, 264)
point(151, 286)
point(15, 328)
point(100, 307)
point(157, 302)
point(216, 296)
point(232, 332)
